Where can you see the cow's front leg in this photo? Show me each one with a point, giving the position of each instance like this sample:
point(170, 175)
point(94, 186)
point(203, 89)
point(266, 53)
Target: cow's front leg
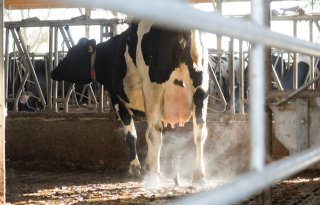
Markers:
point(200, 133)
point(154, 142)
point(131, 139)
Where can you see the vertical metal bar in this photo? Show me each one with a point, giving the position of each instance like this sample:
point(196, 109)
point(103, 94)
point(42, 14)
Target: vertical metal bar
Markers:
point(231, 77)
point(257, 96)
point(267, 193)
point(101, 93)
point(56, 61)
point(50, 68)
point(6, 64)
point(311, 73)
point(241, 78)
point(2, 115)
point(87, 28)
point(219, 37)
point(295, 67)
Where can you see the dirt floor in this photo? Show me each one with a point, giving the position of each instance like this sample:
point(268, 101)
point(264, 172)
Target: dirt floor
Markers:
point(74, 187)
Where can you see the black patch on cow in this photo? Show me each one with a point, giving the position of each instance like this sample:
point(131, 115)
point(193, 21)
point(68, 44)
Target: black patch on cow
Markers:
point(124, 114)
point(179, 83)
point(196, 76)
point(199, 97)
point(138, 113)
point(111, 66)
point(131, 141)
point(165, 50)
point(132, 41)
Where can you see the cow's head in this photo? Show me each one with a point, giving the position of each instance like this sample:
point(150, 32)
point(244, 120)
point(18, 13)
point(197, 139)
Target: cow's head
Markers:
point(76, 66)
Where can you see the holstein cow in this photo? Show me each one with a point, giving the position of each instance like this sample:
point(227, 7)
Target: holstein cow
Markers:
point(151, 70)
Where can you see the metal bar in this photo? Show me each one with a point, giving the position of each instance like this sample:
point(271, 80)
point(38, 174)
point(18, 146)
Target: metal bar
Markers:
point(311, 71)
point(180, 15)
point(101, 88)
point(67, 98)
point(241, 78)
point(6, 63)
point(274, 72)
point(67, 29)
point(65, 38)
point(216, 83)
point(26, 75)
point(257, 93)
point(2, 115)
point(303, 94)
point(294, 93)
point(296, 18)
point(56, 61)
point(295, 67)
point(254, 182)
point(317, 24)
point(50, 68)
point(61, 23)
point(231, 77)
point(31, 68)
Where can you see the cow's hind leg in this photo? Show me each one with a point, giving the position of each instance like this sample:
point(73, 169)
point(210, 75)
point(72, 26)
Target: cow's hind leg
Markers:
point(131, 139)
point(200, 133)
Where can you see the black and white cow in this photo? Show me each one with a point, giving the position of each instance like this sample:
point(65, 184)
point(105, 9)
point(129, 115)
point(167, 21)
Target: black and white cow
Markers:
point(147, 69)
point(303, 66)
point(284, 73)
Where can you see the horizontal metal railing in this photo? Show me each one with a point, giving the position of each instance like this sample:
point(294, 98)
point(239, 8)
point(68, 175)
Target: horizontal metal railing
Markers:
point(177, 14)
point(254, 182)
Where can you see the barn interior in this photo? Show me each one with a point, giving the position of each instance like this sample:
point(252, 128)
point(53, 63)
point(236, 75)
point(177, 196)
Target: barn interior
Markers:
point(64, 142)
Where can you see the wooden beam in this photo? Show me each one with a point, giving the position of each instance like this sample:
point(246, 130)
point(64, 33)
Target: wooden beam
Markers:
point(34, 4)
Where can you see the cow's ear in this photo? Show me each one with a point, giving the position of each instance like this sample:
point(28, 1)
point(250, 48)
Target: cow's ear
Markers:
point(92, 46)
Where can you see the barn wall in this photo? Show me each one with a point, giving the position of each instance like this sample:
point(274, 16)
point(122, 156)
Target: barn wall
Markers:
point(96, 142)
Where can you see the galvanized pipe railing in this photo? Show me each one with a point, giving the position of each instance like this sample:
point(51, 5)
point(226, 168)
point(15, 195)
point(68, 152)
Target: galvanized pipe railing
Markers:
point(254, 182)
point(181, 15)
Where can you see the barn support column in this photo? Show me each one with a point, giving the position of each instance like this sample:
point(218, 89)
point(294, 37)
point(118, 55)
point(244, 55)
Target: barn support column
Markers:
point(2, 114)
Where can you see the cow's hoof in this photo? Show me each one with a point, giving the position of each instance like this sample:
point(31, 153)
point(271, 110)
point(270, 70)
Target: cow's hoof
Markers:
point(135, 169)
point(153, 180)
point(198, 179)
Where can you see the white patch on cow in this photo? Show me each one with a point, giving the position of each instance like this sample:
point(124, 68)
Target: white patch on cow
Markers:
point(143, 28)
point(131, 128)
point(116, 107)
point(132, 84)
point(200, 135)
point(199, 53)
